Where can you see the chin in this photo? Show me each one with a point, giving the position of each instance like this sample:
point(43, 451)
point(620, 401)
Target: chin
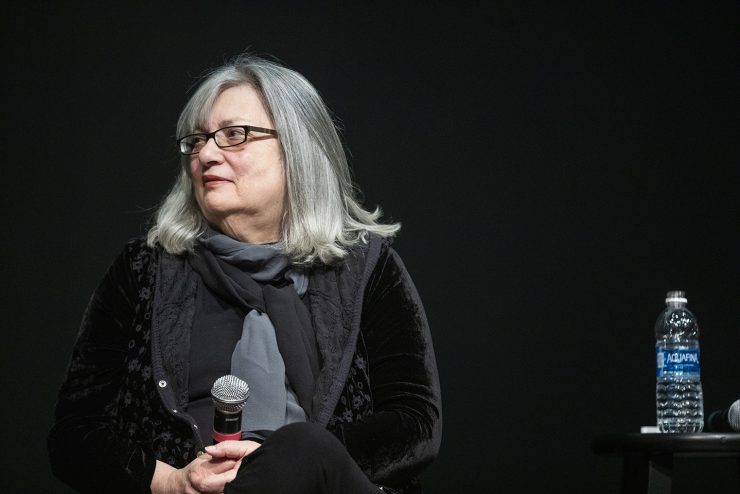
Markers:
point(214, 210)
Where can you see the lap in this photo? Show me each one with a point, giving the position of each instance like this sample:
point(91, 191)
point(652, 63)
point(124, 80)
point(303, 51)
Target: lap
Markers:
point(300, 458)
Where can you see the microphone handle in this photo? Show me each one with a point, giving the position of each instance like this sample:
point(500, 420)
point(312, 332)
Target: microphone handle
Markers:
point(227, 426)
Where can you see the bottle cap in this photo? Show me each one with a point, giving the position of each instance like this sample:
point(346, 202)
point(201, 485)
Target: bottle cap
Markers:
point(676, 296)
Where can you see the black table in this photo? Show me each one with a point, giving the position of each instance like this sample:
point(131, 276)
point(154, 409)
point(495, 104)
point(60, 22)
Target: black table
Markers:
point(648, 458)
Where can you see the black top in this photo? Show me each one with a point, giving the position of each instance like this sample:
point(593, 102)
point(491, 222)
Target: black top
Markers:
point(126, 386)
point(217, 327)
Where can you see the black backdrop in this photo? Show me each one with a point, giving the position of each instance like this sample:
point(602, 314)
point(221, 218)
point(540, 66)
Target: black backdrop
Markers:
point(557, 169)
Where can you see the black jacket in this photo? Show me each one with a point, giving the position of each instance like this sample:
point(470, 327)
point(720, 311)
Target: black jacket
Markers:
point(123, 403)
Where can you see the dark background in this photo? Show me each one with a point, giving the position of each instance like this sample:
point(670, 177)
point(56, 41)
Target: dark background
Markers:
point(556, 168)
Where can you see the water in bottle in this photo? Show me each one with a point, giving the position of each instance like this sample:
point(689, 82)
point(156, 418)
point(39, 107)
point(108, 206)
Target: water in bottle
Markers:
point(679, 398)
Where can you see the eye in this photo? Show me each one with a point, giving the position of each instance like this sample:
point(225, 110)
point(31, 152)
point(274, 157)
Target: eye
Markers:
point(192, 143)
point(235, 135)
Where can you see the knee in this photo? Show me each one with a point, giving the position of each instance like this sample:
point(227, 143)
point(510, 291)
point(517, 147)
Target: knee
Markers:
point(298, 458)
point(315, 441)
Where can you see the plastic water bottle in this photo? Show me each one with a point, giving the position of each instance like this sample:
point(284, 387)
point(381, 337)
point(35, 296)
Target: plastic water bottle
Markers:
point(678, 393)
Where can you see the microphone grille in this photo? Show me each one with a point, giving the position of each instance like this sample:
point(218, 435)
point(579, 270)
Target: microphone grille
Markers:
point(229, 393)
point(733, 416)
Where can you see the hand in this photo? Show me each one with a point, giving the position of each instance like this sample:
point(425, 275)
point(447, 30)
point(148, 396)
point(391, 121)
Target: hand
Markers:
point(232, 450)
point(205, 474)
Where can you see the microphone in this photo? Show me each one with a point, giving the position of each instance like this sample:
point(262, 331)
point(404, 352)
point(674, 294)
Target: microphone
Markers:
point(229, 395)
point(727, 420)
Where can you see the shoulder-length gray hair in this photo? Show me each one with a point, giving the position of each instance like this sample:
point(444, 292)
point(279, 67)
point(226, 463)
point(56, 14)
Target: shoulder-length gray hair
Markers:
point(323, 215)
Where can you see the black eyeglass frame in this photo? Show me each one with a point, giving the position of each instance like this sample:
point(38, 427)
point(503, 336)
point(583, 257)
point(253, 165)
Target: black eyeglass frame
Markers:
point(208, 135)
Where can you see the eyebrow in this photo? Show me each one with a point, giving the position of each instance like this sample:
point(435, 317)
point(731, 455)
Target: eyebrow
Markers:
point(227, 123)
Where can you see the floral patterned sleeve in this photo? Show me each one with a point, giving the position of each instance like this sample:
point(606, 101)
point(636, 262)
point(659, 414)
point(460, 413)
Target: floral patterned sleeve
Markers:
point(87, 449)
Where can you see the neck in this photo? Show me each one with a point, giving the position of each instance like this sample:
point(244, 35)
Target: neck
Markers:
point(250, 230)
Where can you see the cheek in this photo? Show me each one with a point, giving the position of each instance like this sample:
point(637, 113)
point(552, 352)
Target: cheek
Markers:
point(283, 182)
point(194, 168)
point(274, 180)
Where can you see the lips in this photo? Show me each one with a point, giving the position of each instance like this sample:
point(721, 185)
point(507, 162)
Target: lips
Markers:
point(213, 179)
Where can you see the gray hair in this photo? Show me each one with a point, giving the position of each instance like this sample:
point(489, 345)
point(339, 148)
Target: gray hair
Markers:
point(323, 214)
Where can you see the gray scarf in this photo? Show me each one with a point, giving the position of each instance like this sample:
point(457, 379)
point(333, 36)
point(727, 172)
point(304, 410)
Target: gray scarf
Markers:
point(276, 354)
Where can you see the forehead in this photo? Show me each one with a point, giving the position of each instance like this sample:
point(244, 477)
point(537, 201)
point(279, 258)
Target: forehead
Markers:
point(237, 104)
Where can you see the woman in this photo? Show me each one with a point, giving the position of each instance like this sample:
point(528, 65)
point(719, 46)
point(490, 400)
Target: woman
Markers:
point(261, 264)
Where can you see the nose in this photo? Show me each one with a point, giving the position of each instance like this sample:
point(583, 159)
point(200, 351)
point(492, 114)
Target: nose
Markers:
point(210, 153)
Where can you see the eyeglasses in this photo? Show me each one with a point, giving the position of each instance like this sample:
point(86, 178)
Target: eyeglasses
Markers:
point(224, 138)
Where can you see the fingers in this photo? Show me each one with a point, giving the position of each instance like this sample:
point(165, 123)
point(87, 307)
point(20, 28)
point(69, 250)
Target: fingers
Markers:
point(226, 449)
point(213, 466)
point(210, 475)
point(232, 449)
point(215, 483)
